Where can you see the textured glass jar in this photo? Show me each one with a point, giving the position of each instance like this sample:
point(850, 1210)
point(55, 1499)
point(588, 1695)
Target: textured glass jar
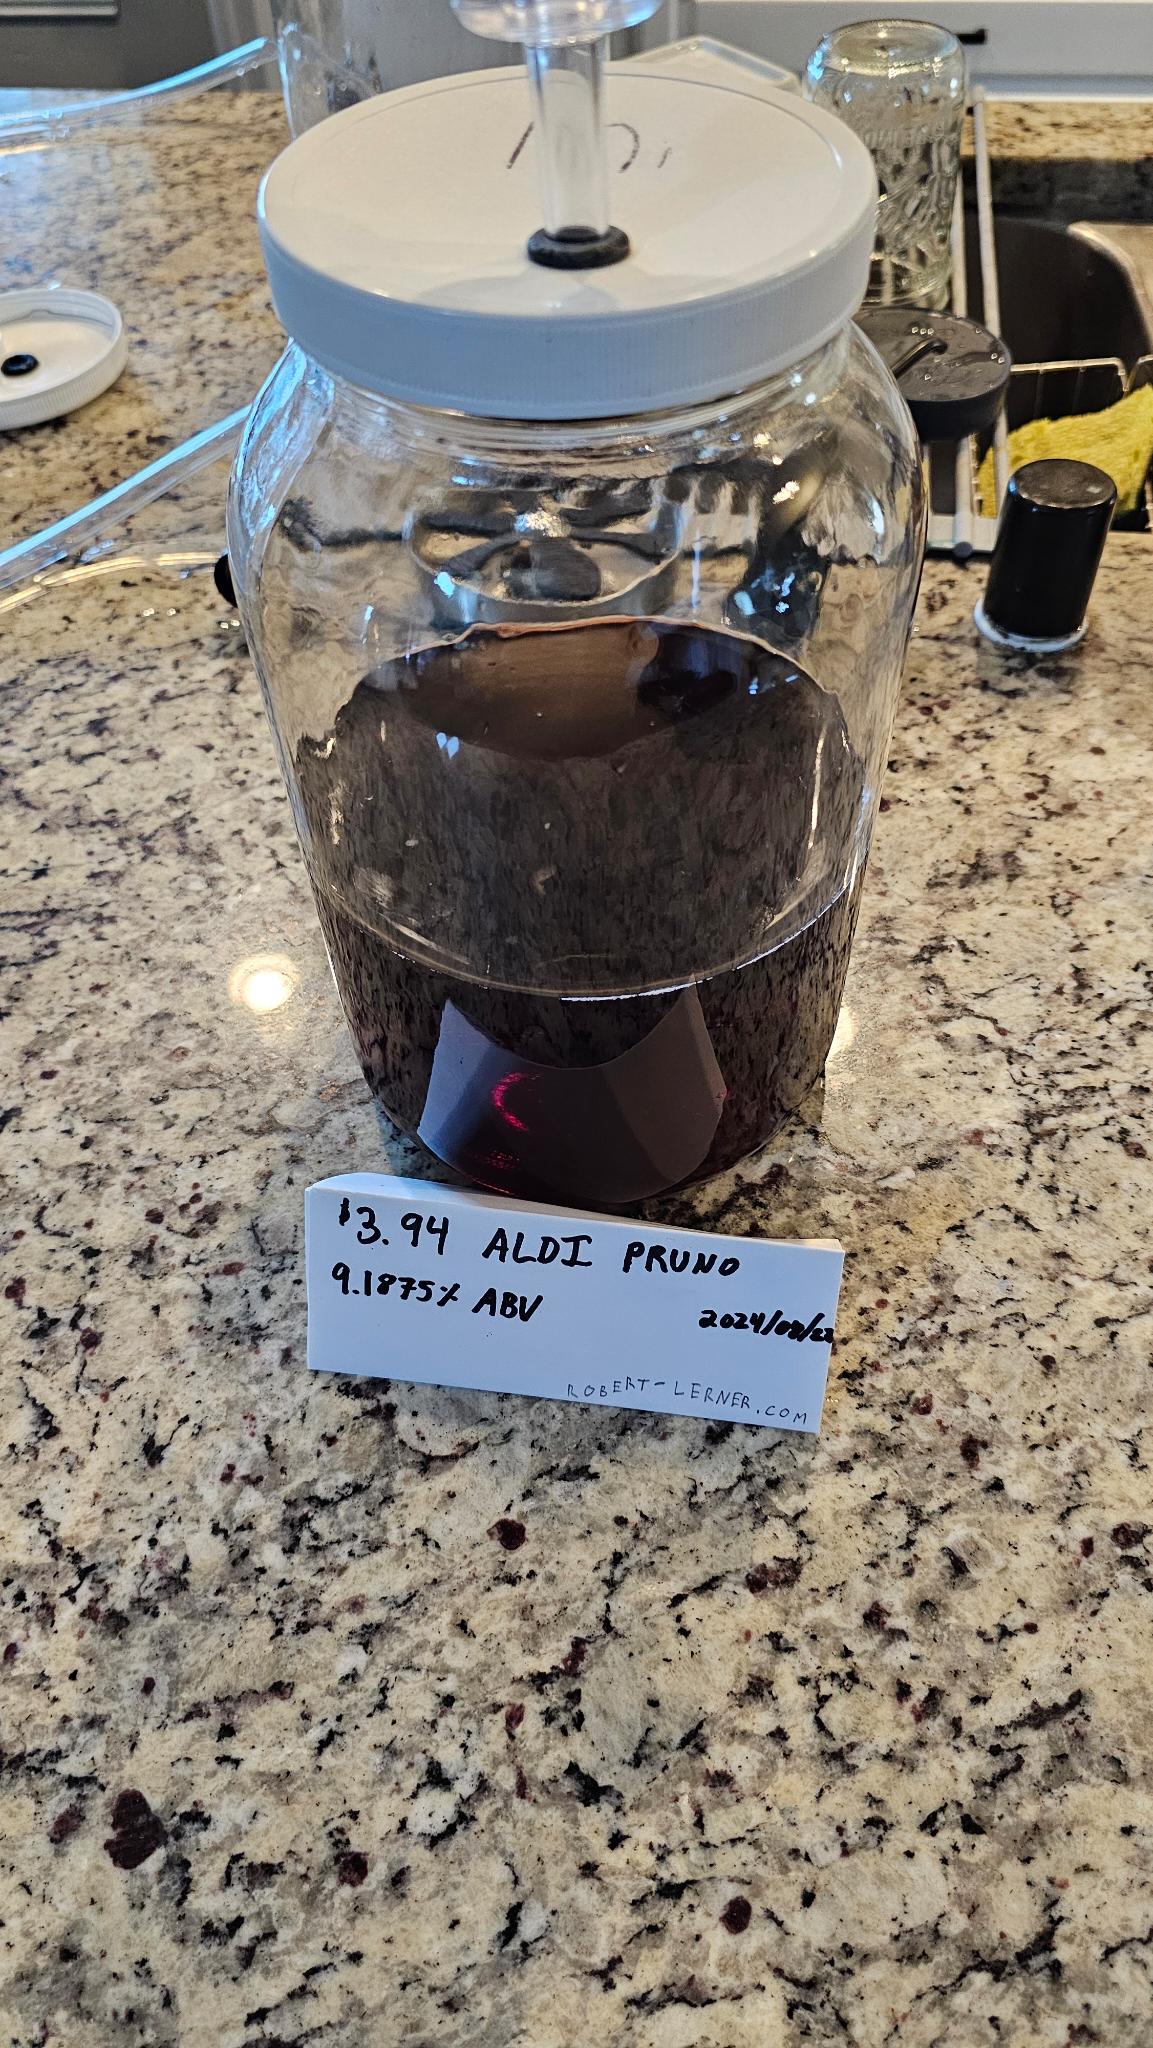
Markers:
point(584, 728)
point(901, 86)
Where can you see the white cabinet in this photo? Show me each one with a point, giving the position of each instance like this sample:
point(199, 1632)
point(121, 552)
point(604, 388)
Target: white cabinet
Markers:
point(1017, 47)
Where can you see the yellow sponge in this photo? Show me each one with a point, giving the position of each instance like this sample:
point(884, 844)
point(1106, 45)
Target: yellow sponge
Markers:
point(1118, 440)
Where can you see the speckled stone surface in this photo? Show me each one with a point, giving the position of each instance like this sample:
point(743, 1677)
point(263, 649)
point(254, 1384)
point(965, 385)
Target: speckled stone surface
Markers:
point(1069, 159)
point(750, 1738)
point(159, 214)
point(1071, 131)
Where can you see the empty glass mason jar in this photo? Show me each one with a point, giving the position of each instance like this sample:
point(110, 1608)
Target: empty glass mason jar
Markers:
point(901, 86)
point(579, 599)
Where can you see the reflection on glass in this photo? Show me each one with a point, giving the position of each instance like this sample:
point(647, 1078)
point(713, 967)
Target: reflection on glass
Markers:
point(263, 982)
point(845, 1033)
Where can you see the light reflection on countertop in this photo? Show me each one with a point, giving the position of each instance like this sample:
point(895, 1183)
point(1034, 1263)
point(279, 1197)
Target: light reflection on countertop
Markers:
point(263, 982)
point(844, 1038)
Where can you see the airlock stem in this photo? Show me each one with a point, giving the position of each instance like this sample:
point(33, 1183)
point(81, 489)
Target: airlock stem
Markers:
point(564, 45)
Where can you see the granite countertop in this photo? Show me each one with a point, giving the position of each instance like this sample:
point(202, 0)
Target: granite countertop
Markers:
point(158, 212)
point(1071, 158)
point(358, 1713)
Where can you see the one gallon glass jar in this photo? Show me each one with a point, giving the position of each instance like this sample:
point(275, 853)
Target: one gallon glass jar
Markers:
point(579, 599)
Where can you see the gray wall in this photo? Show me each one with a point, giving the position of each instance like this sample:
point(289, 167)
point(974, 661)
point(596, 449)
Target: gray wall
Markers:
point(151, 39)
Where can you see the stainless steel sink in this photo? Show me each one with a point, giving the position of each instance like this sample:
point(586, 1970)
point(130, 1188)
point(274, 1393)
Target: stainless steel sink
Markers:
point(1076, 311)
point(1069, 295)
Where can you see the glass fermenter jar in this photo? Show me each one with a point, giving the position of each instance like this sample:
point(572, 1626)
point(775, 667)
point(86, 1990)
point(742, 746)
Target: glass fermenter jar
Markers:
point(577, 562)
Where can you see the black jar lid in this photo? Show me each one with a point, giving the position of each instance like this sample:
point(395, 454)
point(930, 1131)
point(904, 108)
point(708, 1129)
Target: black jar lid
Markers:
point(1054, 523)
point(951, 373)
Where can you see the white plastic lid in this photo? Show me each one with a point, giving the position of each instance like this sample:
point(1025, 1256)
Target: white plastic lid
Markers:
point(395, 239)
point(59, 349)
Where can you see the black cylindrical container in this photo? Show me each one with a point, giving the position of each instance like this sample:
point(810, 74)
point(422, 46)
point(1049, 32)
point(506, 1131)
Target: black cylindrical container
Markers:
point(1054, 523)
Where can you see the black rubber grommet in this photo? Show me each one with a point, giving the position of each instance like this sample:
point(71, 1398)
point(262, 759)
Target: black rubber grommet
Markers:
point(19, 366)
point(578, 248)
point(222, 577)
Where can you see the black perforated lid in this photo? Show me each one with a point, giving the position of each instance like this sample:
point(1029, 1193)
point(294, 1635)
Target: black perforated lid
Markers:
point(951, 373)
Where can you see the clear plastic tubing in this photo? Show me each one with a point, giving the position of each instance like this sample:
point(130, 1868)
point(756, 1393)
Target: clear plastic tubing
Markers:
point(53, 122)
point(564, 47)
point(91, 523)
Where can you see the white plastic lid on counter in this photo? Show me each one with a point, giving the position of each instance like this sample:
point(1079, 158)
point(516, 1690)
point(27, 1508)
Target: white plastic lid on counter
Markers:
point(59, 349)
point(395, 238)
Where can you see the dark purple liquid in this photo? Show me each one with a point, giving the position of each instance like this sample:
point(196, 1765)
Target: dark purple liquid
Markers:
point(636, 796)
